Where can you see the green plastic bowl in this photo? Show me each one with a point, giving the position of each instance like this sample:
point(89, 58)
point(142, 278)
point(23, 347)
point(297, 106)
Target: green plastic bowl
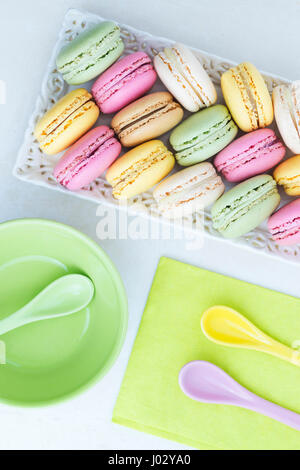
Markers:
point(50, 360)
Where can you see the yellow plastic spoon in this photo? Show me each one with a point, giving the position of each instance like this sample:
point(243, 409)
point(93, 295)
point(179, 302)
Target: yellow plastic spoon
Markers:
point(225, 326)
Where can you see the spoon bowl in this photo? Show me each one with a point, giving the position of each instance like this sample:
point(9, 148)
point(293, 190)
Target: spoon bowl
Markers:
point(225, 326)
point(205, 382)
point(66, 295)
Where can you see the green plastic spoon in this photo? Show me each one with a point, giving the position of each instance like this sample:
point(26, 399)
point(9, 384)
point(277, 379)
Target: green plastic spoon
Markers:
point(66, 295)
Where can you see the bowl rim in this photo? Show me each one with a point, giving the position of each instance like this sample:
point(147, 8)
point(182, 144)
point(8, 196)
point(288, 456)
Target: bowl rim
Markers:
point(109, 265)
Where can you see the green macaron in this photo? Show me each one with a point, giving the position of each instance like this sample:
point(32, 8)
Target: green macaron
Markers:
point(202, 135)
point(90, 53)
point(245, 206)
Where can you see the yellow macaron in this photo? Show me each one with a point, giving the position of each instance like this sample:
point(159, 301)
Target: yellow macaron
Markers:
point(66, 121)
point(247, 97)
point(287, 174)
point(140, 169)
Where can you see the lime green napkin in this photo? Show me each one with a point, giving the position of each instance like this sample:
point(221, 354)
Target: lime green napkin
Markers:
point(150, 399)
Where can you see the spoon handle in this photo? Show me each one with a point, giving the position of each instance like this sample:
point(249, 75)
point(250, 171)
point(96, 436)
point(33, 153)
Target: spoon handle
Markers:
point(267, 408)
point(12, 321)
point(284, 352)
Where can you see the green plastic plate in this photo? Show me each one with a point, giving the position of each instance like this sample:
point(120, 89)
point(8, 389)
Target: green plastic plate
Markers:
point(50, 360)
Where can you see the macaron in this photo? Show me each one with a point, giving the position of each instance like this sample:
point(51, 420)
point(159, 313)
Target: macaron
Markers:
point(250, 155)
point(287, 174)
point(284, 225)
point(140, 169)
point(247, 97)
point(245, 206)
point(202, 135)
point(190, 190)
point(124, 82)
point(286, 101)
point(66, 121)
point(88, 158)
point(92, 52)
point(147, 118)
point(183, 75)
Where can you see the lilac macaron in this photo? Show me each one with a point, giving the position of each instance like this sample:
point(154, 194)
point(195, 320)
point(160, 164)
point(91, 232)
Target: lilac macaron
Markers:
point(88, 158)
point(124, 82)
point(284, 225)
point(250, 155)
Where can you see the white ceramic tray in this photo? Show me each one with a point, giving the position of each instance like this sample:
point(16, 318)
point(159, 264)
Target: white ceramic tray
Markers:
point(35, 167)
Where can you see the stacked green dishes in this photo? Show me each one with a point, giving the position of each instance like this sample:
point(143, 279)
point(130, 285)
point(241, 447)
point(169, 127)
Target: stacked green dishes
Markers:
point(51, 359)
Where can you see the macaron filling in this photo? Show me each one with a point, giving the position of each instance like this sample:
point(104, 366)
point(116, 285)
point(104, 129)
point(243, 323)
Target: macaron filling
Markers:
point(190, 191)
point(92, 151)
point(80, 102)
point(188, 182)
point(98, 51)
point(138, 67)
point(145, 117)
point(289, 183)
point(261, 149)
point(286, 230)
point(205, 138)
point(240, 206)
point(250, 96)
point(172, 58)
point(132, 173)
point(292, 100)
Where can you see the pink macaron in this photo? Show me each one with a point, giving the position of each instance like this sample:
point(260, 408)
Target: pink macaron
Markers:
point(124, 82)
point(250, 155)
point(284, 225)
point(88, 158)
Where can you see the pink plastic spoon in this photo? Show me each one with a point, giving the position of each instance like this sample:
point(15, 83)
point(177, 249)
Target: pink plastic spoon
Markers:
point(207, 383)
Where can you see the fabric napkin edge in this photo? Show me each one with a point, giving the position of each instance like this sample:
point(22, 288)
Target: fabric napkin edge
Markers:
point(163, 434)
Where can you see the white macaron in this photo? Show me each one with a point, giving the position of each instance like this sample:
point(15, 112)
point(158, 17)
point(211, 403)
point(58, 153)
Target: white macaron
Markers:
point(188, 191)
point(286, 101)
point(183, 75)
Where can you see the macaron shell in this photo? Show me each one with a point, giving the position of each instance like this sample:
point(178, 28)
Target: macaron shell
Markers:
point(137, 86)
point(209, 148)
point(286, 102)
point(139, 108)
point(237, 98)
point(182, 179)
point(92, 166)
point(163, 115)
point(199, 124)
point(284, 225)
point(60, 111)
point(264, 101)
point(99, 67)
point(194, 70)
point(84, 42)
point(73, 128)
point(287, 174)
point(191, 201)
point(255, 214)
point(256, 159)
point(184, 77)
point(80, 60)
point(149, 129)
point(140, 179)
point(96, 165)
point(178, 90)
point(188, 191)
point(253, 218)
point(123, 82)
